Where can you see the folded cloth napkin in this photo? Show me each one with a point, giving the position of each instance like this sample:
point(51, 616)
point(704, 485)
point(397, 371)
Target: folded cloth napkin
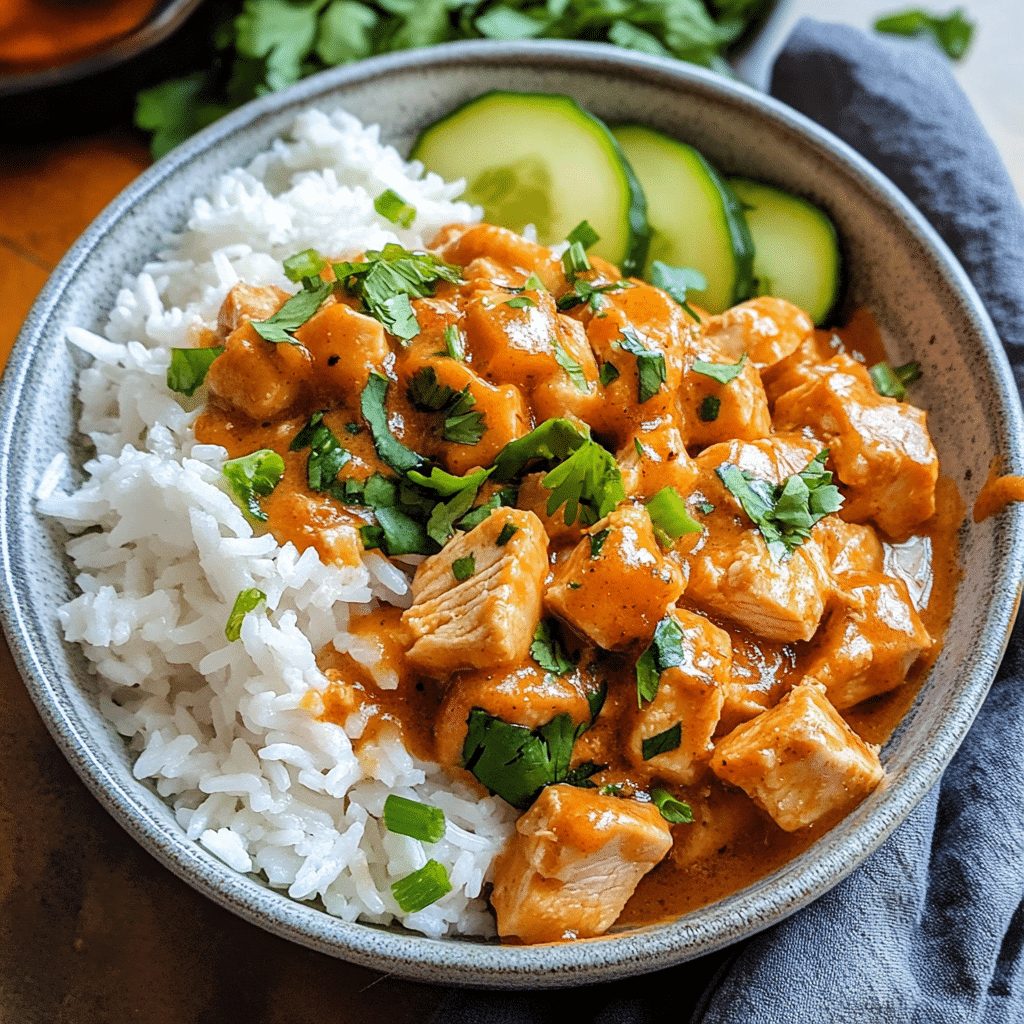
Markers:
point(931, 928)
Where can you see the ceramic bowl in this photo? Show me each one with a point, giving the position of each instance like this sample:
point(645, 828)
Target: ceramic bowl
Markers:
point(897, 267)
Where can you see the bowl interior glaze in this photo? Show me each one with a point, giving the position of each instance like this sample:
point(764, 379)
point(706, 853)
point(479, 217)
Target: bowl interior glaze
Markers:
point(896, 266)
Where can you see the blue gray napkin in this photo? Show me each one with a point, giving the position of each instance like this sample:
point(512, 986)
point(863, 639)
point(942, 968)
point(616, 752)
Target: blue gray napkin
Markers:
point(930, 930)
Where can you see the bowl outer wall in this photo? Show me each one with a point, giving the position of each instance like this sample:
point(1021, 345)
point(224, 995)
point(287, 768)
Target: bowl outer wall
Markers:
point(922, 299)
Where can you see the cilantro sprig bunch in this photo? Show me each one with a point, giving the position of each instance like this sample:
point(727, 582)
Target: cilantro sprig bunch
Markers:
point(260, 46)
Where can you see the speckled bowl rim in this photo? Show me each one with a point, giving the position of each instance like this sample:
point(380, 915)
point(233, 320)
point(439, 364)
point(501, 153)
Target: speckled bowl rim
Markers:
point(469, 962)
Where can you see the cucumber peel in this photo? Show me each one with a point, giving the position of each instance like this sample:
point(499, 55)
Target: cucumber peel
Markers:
point(796, 249)
point(696, 220)
point(538, 158)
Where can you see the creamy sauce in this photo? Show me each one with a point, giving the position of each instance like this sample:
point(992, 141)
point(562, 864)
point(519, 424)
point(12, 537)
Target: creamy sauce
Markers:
point(517, 382)
point(997, 492)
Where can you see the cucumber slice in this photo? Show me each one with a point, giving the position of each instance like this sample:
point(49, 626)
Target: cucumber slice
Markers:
point(696, 220)
point(796, 252)
point(537, 158)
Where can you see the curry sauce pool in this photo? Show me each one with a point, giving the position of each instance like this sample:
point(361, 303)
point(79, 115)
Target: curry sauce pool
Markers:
point(521, 633)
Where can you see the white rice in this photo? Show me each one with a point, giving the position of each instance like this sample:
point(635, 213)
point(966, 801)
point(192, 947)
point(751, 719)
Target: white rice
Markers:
point(161, 551)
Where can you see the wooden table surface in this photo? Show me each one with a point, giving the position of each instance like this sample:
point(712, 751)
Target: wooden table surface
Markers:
point(92, 928)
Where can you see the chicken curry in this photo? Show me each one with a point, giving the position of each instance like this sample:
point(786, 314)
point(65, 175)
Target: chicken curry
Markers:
point(676, 575)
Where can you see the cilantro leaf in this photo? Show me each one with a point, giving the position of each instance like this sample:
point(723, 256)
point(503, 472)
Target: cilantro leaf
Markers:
point(326, 456)
point(551, 441)
point(784, 513)
point(252, 477)
point(650, 366)
point(520, 302)
point(722, 372)
point(666, 651)
point(676, 282)
point(892, 382)
point(292, 315)
point(952, 34)
point(246, 602)
point(461, 425)
point(583, 291)
point(584, 234)
point(662, 743)
point(597, 542)
point(571, 367)
point(508, 531)
point(588, 482)
point(447, 484)
point(397, 533)
point(189, 367)
point(675, 812)
point(390, 450)
point(441, 524)
point(463, 568)
point(709, 408)
point(609, 372)
point(548, 652)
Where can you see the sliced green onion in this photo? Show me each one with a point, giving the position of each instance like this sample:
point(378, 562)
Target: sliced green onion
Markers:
point(246, 601)
point(391, 206)
point(886, 382)
point(669, 516)
point(418, 890)
point(453, 342)
point(574, 261)
point(253, 477)
point(534, 284)
point(304, 265)
point(584, 234)
point(414, 819)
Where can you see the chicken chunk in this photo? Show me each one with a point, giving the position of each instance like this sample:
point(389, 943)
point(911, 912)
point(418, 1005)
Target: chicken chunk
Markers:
point(573, 863)
point(258, 378)
point(766, 329)
point(690, 697)
point(463, 243)
point(762, 674)
point(654, 458)
point(799, 762)
point(616, 586)
point(880, 447)
point(732, 572)
point(248, 302)
point(869, 641)
point(488, 618)
point(521, 694)
point(849, 547)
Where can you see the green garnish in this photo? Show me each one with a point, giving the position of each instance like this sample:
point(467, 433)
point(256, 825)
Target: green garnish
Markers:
point(709, 409)
point(584, 234)
point(674, 811)
point(422, 888)
point(785, 513)
point(892, 382)
point(461, 425)
point(612, 789)
point(706, 507)
point(520, 302)
point(447, 484)
point(304, 266)
point(246, 601)
point(397, 533)
point(391, 206)
point(293, 314)
point(385, 281)
point(588, 482)
point(189, 367)
point(506, 498)
point(607, 374)
point(253, 477)
point(534, 284)
point(952, 34)
point(575, 586)
point(666, 651)
point(454, 343)
point(516, 763)
point(326, 456)
point(597, 542)
point(571, 367)
point(508, 531)
point(669, 516)
point(553, 440)
point(548, 652)
point(463, 568)
point(722, 372)
point(411, 818)
point(584, 291)
point(353, 428)
point(650, 366)
point(390, 450)
point(575, 262)
point(663, 742)
point(676, 282)
point(638, 446)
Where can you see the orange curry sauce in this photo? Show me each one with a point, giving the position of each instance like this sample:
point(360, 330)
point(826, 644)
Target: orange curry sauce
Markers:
point(901, 538)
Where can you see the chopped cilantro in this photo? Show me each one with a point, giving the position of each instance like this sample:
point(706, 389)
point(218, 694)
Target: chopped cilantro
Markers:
point(575, 262)
point(892, 382)
point(722, 372)
point(574, 585)
point(390, 450)
point(669, 516)
point(666, 651)
point(650, 366)
point(326, 456)
point(391, 206)
point(463, 568)
point(674, 811)
point(520, 302)
point(246, 602)
point(441, 524)
point(534, 284)
point(508, 531)
point(609, 372)
point(454, 343)
point(548, 651)
point(571, 367)
point(638, 446)
point(252, 477)
point(353, 428)
point(587, 483)
point(461, 425)
point(553, 440)
point(189, 367)
point(293, 314)
point(584, 234)
point(446, 484)
point(706, 507)
point(709, 408)
point(397, 533)
point(662, 743)
point(952, 34)
point(597, 542)
point(676, 282)
point(785, 513)
point(583, 291)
